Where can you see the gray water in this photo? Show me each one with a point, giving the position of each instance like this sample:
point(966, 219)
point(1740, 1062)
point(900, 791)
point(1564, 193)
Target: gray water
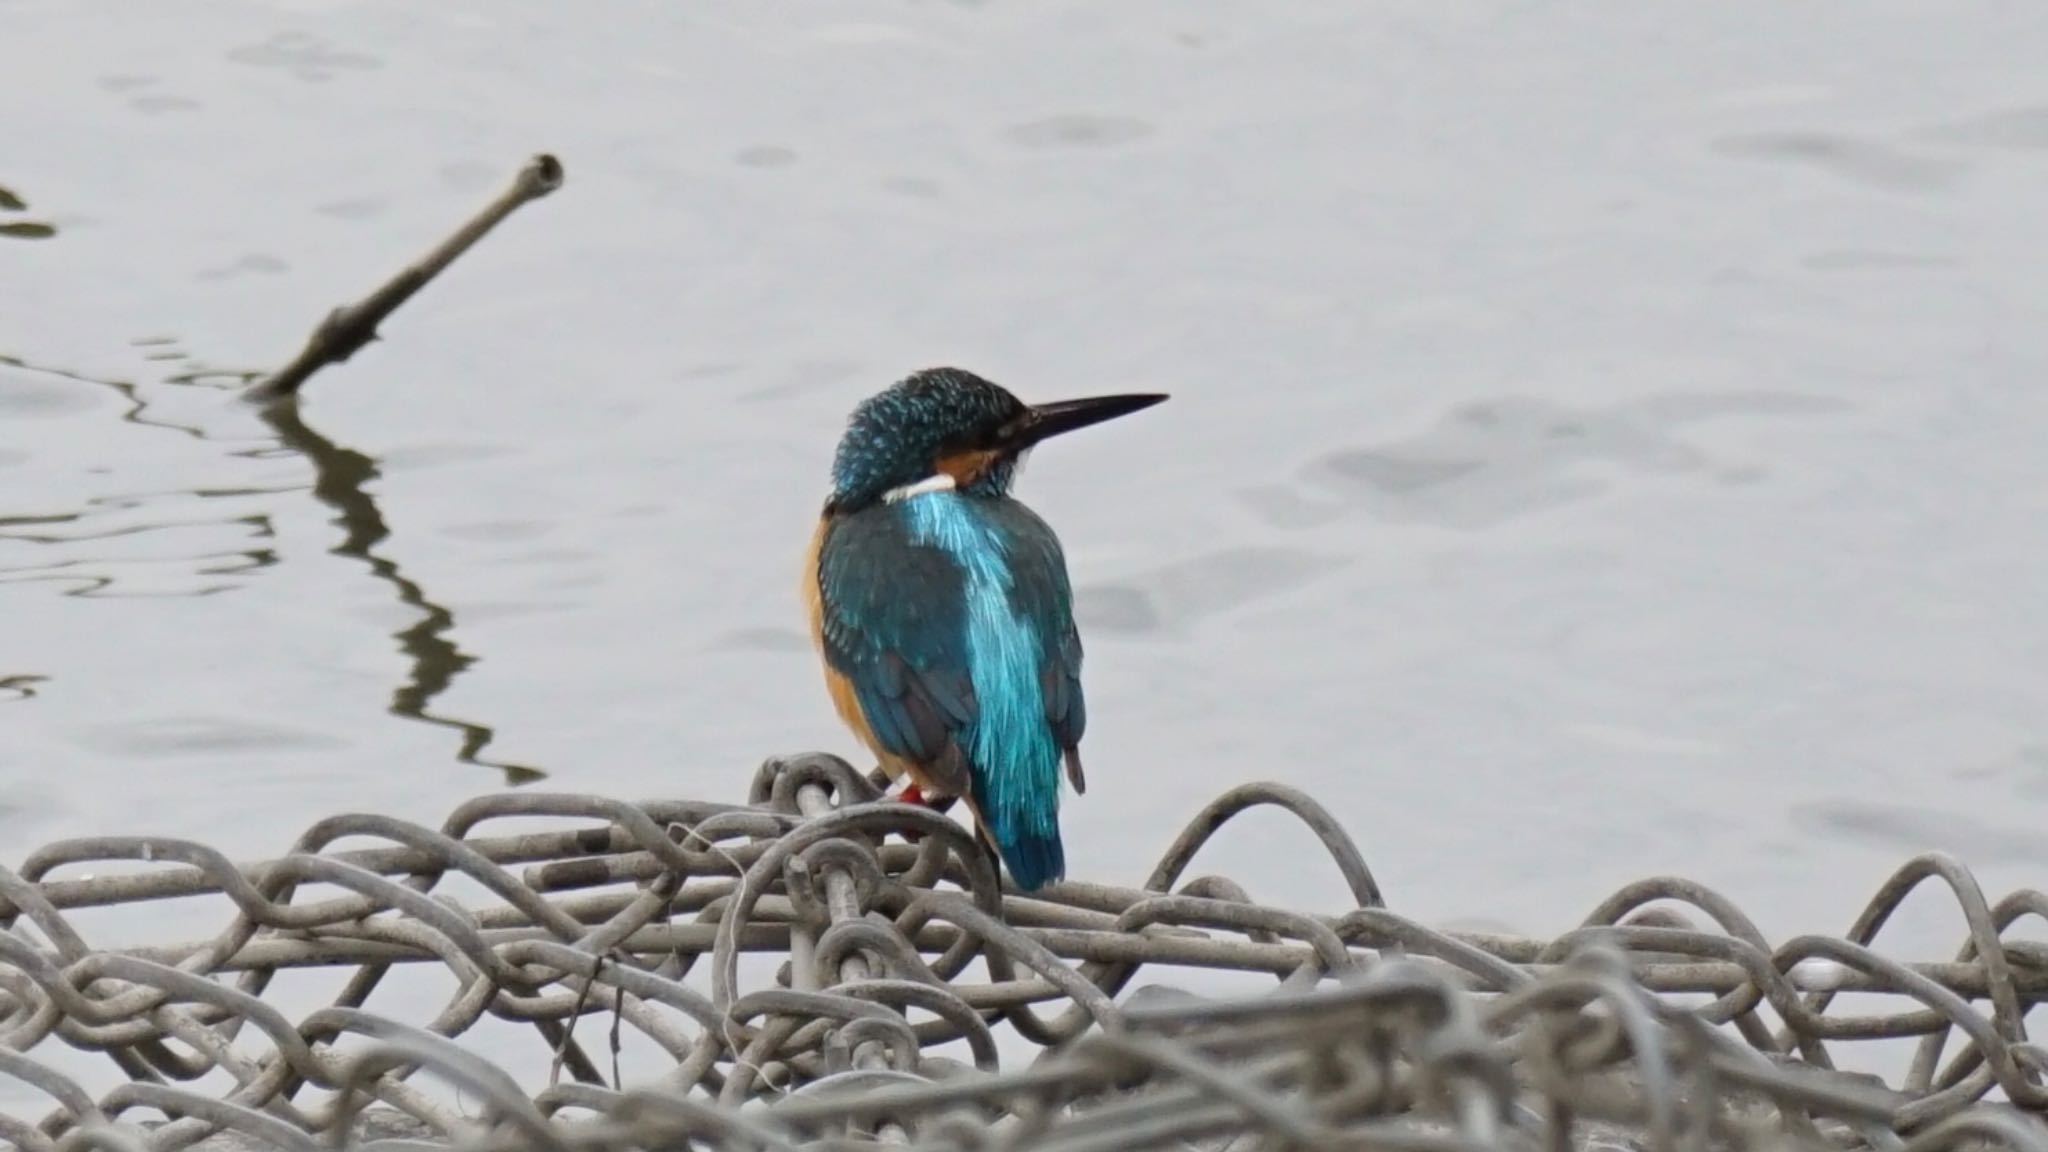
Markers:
point(1603, 442)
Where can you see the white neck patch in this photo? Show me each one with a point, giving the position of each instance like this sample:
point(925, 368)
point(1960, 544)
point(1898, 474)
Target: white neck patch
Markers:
point(938, 482)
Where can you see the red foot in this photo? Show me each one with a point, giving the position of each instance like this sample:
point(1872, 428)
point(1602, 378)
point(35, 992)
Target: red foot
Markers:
point(912, 794)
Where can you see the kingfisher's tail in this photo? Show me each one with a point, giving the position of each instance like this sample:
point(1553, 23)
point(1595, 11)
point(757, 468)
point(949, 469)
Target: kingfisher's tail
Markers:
point(1029, 844)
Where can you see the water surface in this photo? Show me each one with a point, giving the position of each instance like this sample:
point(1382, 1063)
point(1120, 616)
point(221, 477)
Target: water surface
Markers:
point(1602, 444)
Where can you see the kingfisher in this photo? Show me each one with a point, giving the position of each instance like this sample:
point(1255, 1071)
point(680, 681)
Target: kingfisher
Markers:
point(942, 608)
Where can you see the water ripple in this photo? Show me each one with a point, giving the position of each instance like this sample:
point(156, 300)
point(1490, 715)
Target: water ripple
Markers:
point(91, 537)
point(1491, 462)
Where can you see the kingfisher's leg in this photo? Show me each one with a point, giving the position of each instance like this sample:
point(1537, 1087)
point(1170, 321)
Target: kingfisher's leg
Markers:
point(915, 795)
point(898, 786)
point(907, 790)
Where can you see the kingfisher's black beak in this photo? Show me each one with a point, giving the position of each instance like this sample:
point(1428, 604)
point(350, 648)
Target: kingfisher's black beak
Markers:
point(1044, 421)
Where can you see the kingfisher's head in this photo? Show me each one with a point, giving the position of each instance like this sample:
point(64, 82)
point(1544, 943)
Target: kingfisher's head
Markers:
point(946, 428)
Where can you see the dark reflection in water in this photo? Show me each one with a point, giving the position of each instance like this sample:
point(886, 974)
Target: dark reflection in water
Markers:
point(341, 478)
point(124, 515)
point(21, 687)
point(21, 229)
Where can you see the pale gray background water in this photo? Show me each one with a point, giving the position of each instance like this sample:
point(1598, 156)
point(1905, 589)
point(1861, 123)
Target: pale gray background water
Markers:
point(1605, 439)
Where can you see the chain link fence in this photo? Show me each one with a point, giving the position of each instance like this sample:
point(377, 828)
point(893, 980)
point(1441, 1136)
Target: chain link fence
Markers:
point(824, 968)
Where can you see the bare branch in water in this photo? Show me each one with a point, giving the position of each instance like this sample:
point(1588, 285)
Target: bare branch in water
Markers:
point(347, 329)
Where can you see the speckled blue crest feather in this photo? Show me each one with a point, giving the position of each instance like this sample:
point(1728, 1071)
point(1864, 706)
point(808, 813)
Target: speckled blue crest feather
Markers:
point(893, 436)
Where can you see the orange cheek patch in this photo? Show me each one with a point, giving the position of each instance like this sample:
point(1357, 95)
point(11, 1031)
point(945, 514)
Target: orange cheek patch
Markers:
point(966, 467)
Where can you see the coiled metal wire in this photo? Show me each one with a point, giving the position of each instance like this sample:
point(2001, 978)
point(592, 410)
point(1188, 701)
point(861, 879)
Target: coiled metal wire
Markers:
point(913, 991)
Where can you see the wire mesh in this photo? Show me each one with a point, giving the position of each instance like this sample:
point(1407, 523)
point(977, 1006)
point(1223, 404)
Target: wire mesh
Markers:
point(893, 992)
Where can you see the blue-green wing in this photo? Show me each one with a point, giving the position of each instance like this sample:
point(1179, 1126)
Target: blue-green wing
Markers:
point(893, 625)
point(1043, 593)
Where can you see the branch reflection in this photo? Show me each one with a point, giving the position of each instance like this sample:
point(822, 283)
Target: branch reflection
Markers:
point(341, 478)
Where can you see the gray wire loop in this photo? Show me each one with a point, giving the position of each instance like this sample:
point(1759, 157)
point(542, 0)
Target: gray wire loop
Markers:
point(825, 968)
